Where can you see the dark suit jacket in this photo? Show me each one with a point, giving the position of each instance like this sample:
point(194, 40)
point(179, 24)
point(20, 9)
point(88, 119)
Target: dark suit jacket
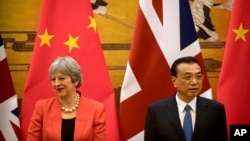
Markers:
point(46, 121)
point(163, 122)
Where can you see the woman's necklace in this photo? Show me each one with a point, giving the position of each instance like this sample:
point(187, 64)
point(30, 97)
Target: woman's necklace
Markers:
point(68, 110)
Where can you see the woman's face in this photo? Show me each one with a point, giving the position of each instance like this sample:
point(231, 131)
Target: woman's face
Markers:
point(62, 84)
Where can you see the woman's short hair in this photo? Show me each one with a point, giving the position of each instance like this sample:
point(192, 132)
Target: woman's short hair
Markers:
point(67, 66)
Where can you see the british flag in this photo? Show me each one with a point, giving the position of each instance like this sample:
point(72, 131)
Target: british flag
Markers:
point(164, 31)
point(9, 125)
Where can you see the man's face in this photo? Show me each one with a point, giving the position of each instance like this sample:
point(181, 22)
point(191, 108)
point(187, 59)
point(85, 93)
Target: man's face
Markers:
point(188, 81)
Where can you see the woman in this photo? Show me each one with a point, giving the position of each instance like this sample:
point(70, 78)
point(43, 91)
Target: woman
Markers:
point(69, 116)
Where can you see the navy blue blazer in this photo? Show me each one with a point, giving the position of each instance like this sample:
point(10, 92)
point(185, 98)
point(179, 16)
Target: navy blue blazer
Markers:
point(163, 123)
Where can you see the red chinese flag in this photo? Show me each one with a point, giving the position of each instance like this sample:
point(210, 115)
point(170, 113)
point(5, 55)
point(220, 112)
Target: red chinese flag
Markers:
point(9, 117)
point(68, 28)
point(164, 31)
point(234, 81)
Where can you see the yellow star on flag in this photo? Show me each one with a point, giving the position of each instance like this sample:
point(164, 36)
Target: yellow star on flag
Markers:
point(240, 33)
point(92, 23)
point(45, 38)
point(72, 42)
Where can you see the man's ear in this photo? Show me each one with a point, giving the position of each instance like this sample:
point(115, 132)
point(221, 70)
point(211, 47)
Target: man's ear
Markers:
point(173, 80)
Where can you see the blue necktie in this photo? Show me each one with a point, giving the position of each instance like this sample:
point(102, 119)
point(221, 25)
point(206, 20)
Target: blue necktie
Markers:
point(187, 124)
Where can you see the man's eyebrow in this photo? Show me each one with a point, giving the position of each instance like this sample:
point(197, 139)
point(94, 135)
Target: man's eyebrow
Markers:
point(189, 73)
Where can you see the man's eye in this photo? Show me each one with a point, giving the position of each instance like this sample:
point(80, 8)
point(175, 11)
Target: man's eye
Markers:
point(187, 77)
point(52, 79)
point(198, 77)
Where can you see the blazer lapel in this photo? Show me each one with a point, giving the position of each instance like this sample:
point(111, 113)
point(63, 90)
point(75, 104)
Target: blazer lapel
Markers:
point(57, 122)
point(79, 128)
point(80, 120)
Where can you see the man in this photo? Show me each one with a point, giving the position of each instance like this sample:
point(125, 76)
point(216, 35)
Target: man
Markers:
point(165, 118)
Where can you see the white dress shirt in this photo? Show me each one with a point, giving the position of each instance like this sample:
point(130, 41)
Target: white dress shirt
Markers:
point(181, 105)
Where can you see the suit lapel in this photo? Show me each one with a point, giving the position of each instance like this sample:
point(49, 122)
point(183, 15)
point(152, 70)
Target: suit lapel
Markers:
point(201, 115)
point(174, 119)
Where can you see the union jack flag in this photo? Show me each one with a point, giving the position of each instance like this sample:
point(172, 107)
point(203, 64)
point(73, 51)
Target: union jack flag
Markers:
point(164, 31)
point(9, 125)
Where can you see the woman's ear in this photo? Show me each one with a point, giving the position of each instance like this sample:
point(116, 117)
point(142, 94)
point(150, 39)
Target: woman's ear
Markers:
point(76, 83)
